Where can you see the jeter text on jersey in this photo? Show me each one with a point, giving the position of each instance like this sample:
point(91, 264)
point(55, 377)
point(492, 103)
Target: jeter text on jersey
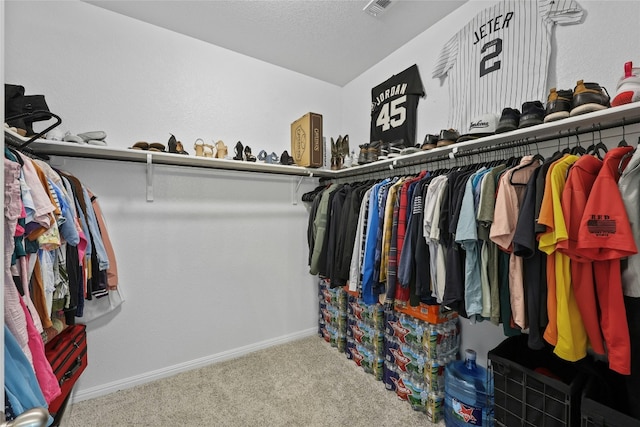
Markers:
point(492, 26)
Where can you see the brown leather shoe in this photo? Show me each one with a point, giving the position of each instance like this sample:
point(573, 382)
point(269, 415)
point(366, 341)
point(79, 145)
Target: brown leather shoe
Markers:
point(588, 97)
point(558, 104)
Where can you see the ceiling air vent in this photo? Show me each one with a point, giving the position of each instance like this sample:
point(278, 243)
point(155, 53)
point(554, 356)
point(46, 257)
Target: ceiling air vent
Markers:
point(377, 7)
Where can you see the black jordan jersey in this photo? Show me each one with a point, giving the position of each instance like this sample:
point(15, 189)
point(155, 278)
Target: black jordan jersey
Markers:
point(394, 106)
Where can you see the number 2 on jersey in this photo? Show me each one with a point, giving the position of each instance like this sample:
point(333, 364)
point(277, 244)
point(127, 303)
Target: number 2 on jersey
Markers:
point(392, 114)
point(497, 50)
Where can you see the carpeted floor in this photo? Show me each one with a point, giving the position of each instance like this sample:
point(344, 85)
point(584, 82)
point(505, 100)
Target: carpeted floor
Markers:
point(302, 383)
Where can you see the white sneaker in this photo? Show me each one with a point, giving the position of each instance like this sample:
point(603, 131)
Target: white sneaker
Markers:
point(628, 89)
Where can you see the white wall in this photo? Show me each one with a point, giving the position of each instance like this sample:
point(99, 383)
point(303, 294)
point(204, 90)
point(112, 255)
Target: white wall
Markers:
point(103, 71)
point(594, 50)
point(216, 265)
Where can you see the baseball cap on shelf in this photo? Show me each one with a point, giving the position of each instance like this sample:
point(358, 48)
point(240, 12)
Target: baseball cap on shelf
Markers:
point(480, 126)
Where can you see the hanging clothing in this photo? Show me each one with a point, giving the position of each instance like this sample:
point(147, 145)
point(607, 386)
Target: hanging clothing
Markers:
point(505, 241)
point(605, 237)
point(50, 221)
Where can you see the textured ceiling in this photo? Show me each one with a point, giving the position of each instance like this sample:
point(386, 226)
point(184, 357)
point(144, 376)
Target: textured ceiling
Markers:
point(334, 41)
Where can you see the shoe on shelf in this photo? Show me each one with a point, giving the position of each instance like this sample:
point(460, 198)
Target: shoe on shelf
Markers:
point(373, 151)
point(262, 155)
point(154, 146)
point(247, 154)
point(348, 161)
point(175, 146)
point(384, 151)
point(97, 135)
point(532, 114)
point(239, 149)
point(208, 150)
point(430, 142)
point(447, 137)
point(628, 89)
point(509, 120)
point(558, 104)
point(354, 159)
point(272, 159)
point(69, 137)
point(409, 150)
point(221, 150)
point(199, 147)
point(179, 148)
point(343, 148)
point(55, 134)
point(588, 97)
point(362, 157)
point(336, 156)
point(286, 159)
point(396, 148)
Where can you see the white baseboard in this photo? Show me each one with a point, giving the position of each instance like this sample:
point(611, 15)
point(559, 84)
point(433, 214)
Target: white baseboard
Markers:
point(126, 383)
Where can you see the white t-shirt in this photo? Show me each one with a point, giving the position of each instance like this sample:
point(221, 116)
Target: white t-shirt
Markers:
point(500, 58)
point(629, 185)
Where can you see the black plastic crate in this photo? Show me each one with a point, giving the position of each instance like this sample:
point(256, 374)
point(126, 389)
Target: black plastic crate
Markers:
point(534, 387)
point(603, 405)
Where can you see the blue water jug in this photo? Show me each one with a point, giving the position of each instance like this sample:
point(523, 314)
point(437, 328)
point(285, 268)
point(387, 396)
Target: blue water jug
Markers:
point(468, 399)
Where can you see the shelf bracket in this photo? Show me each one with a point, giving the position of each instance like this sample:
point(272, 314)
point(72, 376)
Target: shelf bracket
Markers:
point(149, 177)
point(294, 195)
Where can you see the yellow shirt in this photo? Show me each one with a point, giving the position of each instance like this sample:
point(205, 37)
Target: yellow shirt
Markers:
point(568, 331)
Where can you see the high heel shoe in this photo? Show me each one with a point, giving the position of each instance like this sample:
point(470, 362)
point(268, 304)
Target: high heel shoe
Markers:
point(285, 158)
point(239, 149)
point(208, 150)
point(221, 150)
point(247, 154)
point(175, 146)
point(199, 147)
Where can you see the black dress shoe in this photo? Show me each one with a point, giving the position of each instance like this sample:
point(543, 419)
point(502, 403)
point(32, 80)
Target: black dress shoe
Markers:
point(247, 154)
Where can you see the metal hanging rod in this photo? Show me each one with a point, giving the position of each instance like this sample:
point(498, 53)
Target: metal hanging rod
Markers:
point(398, 165)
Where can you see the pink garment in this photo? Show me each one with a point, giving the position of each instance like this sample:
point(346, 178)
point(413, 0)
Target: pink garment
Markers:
point(41, 366)
point(503, 228)
point(14, 316)
point(23, 214)
point(25, 279)
point(112, 271)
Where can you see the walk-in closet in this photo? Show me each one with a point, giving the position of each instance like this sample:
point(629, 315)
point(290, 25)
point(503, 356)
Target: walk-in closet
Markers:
point(214, 255)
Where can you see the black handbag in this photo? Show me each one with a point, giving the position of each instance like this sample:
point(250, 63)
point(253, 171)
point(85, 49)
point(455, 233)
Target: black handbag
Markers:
point(21, 111)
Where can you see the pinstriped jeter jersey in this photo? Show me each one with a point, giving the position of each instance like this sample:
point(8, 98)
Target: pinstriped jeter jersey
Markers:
point(500, 58)
point(394, 106)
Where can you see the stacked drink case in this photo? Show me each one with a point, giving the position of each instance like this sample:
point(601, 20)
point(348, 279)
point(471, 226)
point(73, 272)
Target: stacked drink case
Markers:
point(365, 335)
point(416, 353)
point(332, 315)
